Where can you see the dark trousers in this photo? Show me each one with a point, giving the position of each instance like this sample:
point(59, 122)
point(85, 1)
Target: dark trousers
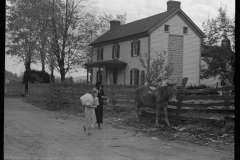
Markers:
point(99, 113)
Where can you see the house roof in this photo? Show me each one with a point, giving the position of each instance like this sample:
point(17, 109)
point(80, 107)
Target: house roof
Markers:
point(108, 63)
point(141, 27)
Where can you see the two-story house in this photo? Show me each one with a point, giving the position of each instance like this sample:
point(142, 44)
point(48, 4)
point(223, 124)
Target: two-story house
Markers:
point(115, 53)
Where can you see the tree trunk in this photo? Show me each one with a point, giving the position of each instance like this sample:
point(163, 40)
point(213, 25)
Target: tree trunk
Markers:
point(62, 72)
point(28, 66)
point(28, 70)
point(52, 76)
point(43, 65)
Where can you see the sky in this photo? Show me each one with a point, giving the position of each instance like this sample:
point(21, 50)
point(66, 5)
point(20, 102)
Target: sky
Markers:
point(197, 10)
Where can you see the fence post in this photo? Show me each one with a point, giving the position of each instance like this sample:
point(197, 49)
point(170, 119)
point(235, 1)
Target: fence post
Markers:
point(14, 90)
point(112, 91)
point(183, 85)
point(28, 87)
point(225, 92)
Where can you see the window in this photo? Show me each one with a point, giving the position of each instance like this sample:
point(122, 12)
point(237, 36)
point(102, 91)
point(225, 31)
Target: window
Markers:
point(134, 77)
point(166, 28)
point(99, 54)
point(185, 30)
point(135, 48)
point(115, 51)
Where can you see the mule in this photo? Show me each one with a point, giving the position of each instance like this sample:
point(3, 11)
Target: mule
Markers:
point(155, 99)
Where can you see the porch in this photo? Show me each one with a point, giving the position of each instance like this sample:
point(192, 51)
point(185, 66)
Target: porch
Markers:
point(110, 72)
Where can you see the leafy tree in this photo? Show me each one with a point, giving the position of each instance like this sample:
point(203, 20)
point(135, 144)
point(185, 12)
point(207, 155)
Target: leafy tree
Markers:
point(219, 47)
point(20, 32)
point(158, 67)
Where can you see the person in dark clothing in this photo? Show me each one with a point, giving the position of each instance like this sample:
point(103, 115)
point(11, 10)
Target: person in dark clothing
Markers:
point(99, 109)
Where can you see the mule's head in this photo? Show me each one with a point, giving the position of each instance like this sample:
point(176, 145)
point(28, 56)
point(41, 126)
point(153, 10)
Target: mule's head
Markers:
point(172, 91)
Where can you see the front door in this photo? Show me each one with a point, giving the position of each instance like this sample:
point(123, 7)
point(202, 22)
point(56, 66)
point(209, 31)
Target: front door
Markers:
point(175, 53)
point(115, 73)
point(99, 76)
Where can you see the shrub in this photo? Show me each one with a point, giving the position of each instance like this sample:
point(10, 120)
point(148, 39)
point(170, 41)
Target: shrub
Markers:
point(194, 87)
point(35, 76)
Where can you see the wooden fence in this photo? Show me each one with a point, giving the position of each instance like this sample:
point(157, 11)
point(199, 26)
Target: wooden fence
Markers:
point(118, 94)
point(35, 89)
point(18, 88)
point(123, 96)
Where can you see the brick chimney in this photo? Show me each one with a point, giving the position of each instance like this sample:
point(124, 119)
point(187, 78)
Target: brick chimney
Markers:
point(173, 5)
point(114, 24)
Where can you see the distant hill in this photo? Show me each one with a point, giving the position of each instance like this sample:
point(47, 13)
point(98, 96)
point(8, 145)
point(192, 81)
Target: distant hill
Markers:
point(75, 79)
point(9, 75)
point(80, 78)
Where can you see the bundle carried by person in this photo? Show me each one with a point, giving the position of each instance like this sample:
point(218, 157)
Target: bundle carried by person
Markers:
point(86, 99)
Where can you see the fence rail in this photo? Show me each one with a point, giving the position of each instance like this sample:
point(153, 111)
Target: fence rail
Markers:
point(120, 95)
point(207, 90)
point(43, 90)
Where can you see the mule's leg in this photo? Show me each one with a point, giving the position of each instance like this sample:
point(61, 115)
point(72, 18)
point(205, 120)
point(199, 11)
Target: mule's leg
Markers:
point(165, 108)
point(157, 114)
point(138, 105)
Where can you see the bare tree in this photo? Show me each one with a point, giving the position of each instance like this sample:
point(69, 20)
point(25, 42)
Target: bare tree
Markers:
point(158, 67)
point(68, 39)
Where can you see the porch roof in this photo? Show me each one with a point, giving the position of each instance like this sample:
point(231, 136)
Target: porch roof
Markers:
point(109, 63)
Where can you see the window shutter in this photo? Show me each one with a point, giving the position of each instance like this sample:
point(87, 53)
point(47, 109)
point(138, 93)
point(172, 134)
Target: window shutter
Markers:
point(131, 49)
point(138, 49)
point(113, 52)
point(101, 53)
point(97, 77)
point(131, 77)
point(118, 50)
point(142, 77)
point(97, 54)
point(137, 81)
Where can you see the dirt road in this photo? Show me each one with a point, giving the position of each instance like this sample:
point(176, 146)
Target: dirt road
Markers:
point(32, 133)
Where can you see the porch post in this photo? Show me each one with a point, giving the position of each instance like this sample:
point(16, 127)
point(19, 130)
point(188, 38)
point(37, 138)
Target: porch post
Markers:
point(91, 77)
point(98, 74)
point(87, 74)
point(124, 74)
point(106, 75)
point(103, 76)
